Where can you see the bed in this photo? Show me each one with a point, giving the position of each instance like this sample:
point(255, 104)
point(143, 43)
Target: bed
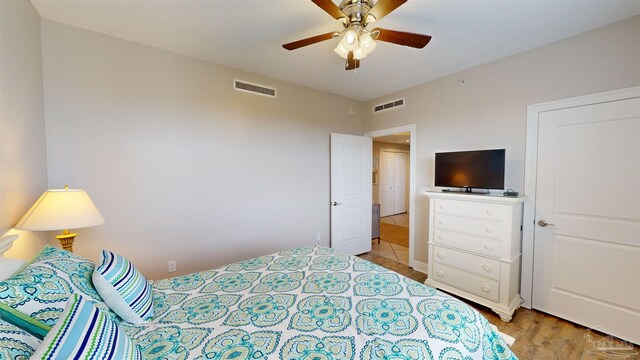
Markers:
point(302, 303)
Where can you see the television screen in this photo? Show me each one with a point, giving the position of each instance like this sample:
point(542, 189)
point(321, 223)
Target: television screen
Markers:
point(483, 169)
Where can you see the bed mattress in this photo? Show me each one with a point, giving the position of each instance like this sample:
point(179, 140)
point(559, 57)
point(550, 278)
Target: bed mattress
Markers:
point(310, 303)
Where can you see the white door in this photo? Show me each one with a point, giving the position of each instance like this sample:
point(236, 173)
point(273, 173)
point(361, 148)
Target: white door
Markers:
point(400, 190)
point(351, 193)
point(393, 183)
point(587, 259)
point(387, 183)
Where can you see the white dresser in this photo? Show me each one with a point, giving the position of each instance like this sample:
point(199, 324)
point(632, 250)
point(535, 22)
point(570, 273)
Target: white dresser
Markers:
point(474, 248)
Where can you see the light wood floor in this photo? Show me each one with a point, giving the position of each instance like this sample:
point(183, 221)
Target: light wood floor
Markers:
point(538, 335)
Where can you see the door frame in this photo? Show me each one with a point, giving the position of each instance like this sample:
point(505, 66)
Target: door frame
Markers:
point(411, 128)
point(530, 173)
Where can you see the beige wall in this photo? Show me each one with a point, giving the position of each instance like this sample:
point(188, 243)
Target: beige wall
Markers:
point(182, 166)
point(377, 145)
point(489, 109)
point(23, 162)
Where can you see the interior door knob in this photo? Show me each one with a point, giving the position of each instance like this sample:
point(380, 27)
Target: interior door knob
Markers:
point(543, 223)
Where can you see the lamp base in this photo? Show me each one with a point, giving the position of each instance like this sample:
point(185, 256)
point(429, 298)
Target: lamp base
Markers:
point(66, 240)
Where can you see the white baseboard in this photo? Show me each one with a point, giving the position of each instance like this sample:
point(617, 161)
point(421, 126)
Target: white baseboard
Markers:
point(419, 266)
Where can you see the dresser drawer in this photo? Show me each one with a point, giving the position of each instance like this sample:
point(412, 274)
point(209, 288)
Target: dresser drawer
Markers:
point(472, 243)
point(469, 209)
point(469, 226)
point(463, 280)
point(468, 262)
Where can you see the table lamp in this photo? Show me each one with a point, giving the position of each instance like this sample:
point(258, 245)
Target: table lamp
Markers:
point(61, 209)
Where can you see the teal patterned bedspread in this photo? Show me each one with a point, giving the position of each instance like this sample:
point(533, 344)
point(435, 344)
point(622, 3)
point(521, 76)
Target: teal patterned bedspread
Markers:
point(310, 303)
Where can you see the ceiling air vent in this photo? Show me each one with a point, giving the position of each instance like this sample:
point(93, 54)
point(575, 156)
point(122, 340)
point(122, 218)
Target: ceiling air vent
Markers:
point(254, 88)
point(389, 105)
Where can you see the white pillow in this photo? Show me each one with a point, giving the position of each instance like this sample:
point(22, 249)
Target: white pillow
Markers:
point(9, 267)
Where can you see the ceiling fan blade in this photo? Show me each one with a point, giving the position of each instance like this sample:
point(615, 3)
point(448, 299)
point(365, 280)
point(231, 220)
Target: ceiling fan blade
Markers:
point(352, 63)
point(331, 8)
point(382, 8)
point(402, 38)
point(308, 41)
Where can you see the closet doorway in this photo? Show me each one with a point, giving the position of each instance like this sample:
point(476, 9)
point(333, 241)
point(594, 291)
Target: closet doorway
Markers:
point(390, 189)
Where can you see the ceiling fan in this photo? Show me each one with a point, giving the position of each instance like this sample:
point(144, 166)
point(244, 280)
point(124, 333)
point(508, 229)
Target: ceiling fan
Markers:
point(358, 41)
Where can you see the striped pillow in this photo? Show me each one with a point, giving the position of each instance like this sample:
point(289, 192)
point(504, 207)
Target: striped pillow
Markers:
point(123, 288)
point(85, 332)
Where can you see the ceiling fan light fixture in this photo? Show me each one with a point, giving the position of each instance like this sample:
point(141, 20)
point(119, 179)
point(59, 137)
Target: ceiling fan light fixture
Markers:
point(367, 44)
point(359, 53)
point(341, 51)
point(350, 40)
point(370, 19)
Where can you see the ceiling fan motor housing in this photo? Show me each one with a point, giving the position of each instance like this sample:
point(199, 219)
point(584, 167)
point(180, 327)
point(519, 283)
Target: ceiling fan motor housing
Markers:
point(355, 10)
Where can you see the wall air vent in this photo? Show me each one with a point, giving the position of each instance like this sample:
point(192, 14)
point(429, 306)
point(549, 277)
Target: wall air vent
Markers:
point(389, 105)
point(254, 88)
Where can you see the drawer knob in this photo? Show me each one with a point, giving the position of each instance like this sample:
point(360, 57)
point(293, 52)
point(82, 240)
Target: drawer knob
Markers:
point(485, 289)
point(489, 212)
point(440, 237)
point(488, 229)
point(488, 247)
point(440, 207)
point(439, 273)
point(486, 268)
point(440, 256)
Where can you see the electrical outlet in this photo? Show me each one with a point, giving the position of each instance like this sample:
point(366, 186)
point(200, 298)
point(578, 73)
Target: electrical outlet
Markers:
point(172, 266)
point(318, 236)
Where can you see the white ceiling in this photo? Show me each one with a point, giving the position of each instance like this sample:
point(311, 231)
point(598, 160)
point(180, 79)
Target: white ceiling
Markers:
point(248, 34)
point(401, 138)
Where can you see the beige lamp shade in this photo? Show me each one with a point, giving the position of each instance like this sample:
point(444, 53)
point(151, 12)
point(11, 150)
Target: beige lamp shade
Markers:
point(59, 209)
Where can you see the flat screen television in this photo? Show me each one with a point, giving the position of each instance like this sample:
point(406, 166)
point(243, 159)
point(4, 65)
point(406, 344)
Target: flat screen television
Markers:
point(480, 169)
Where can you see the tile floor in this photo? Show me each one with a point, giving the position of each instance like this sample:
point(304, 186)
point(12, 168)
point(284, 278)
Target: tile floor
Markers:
point(400, 219)
point(392, 251)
